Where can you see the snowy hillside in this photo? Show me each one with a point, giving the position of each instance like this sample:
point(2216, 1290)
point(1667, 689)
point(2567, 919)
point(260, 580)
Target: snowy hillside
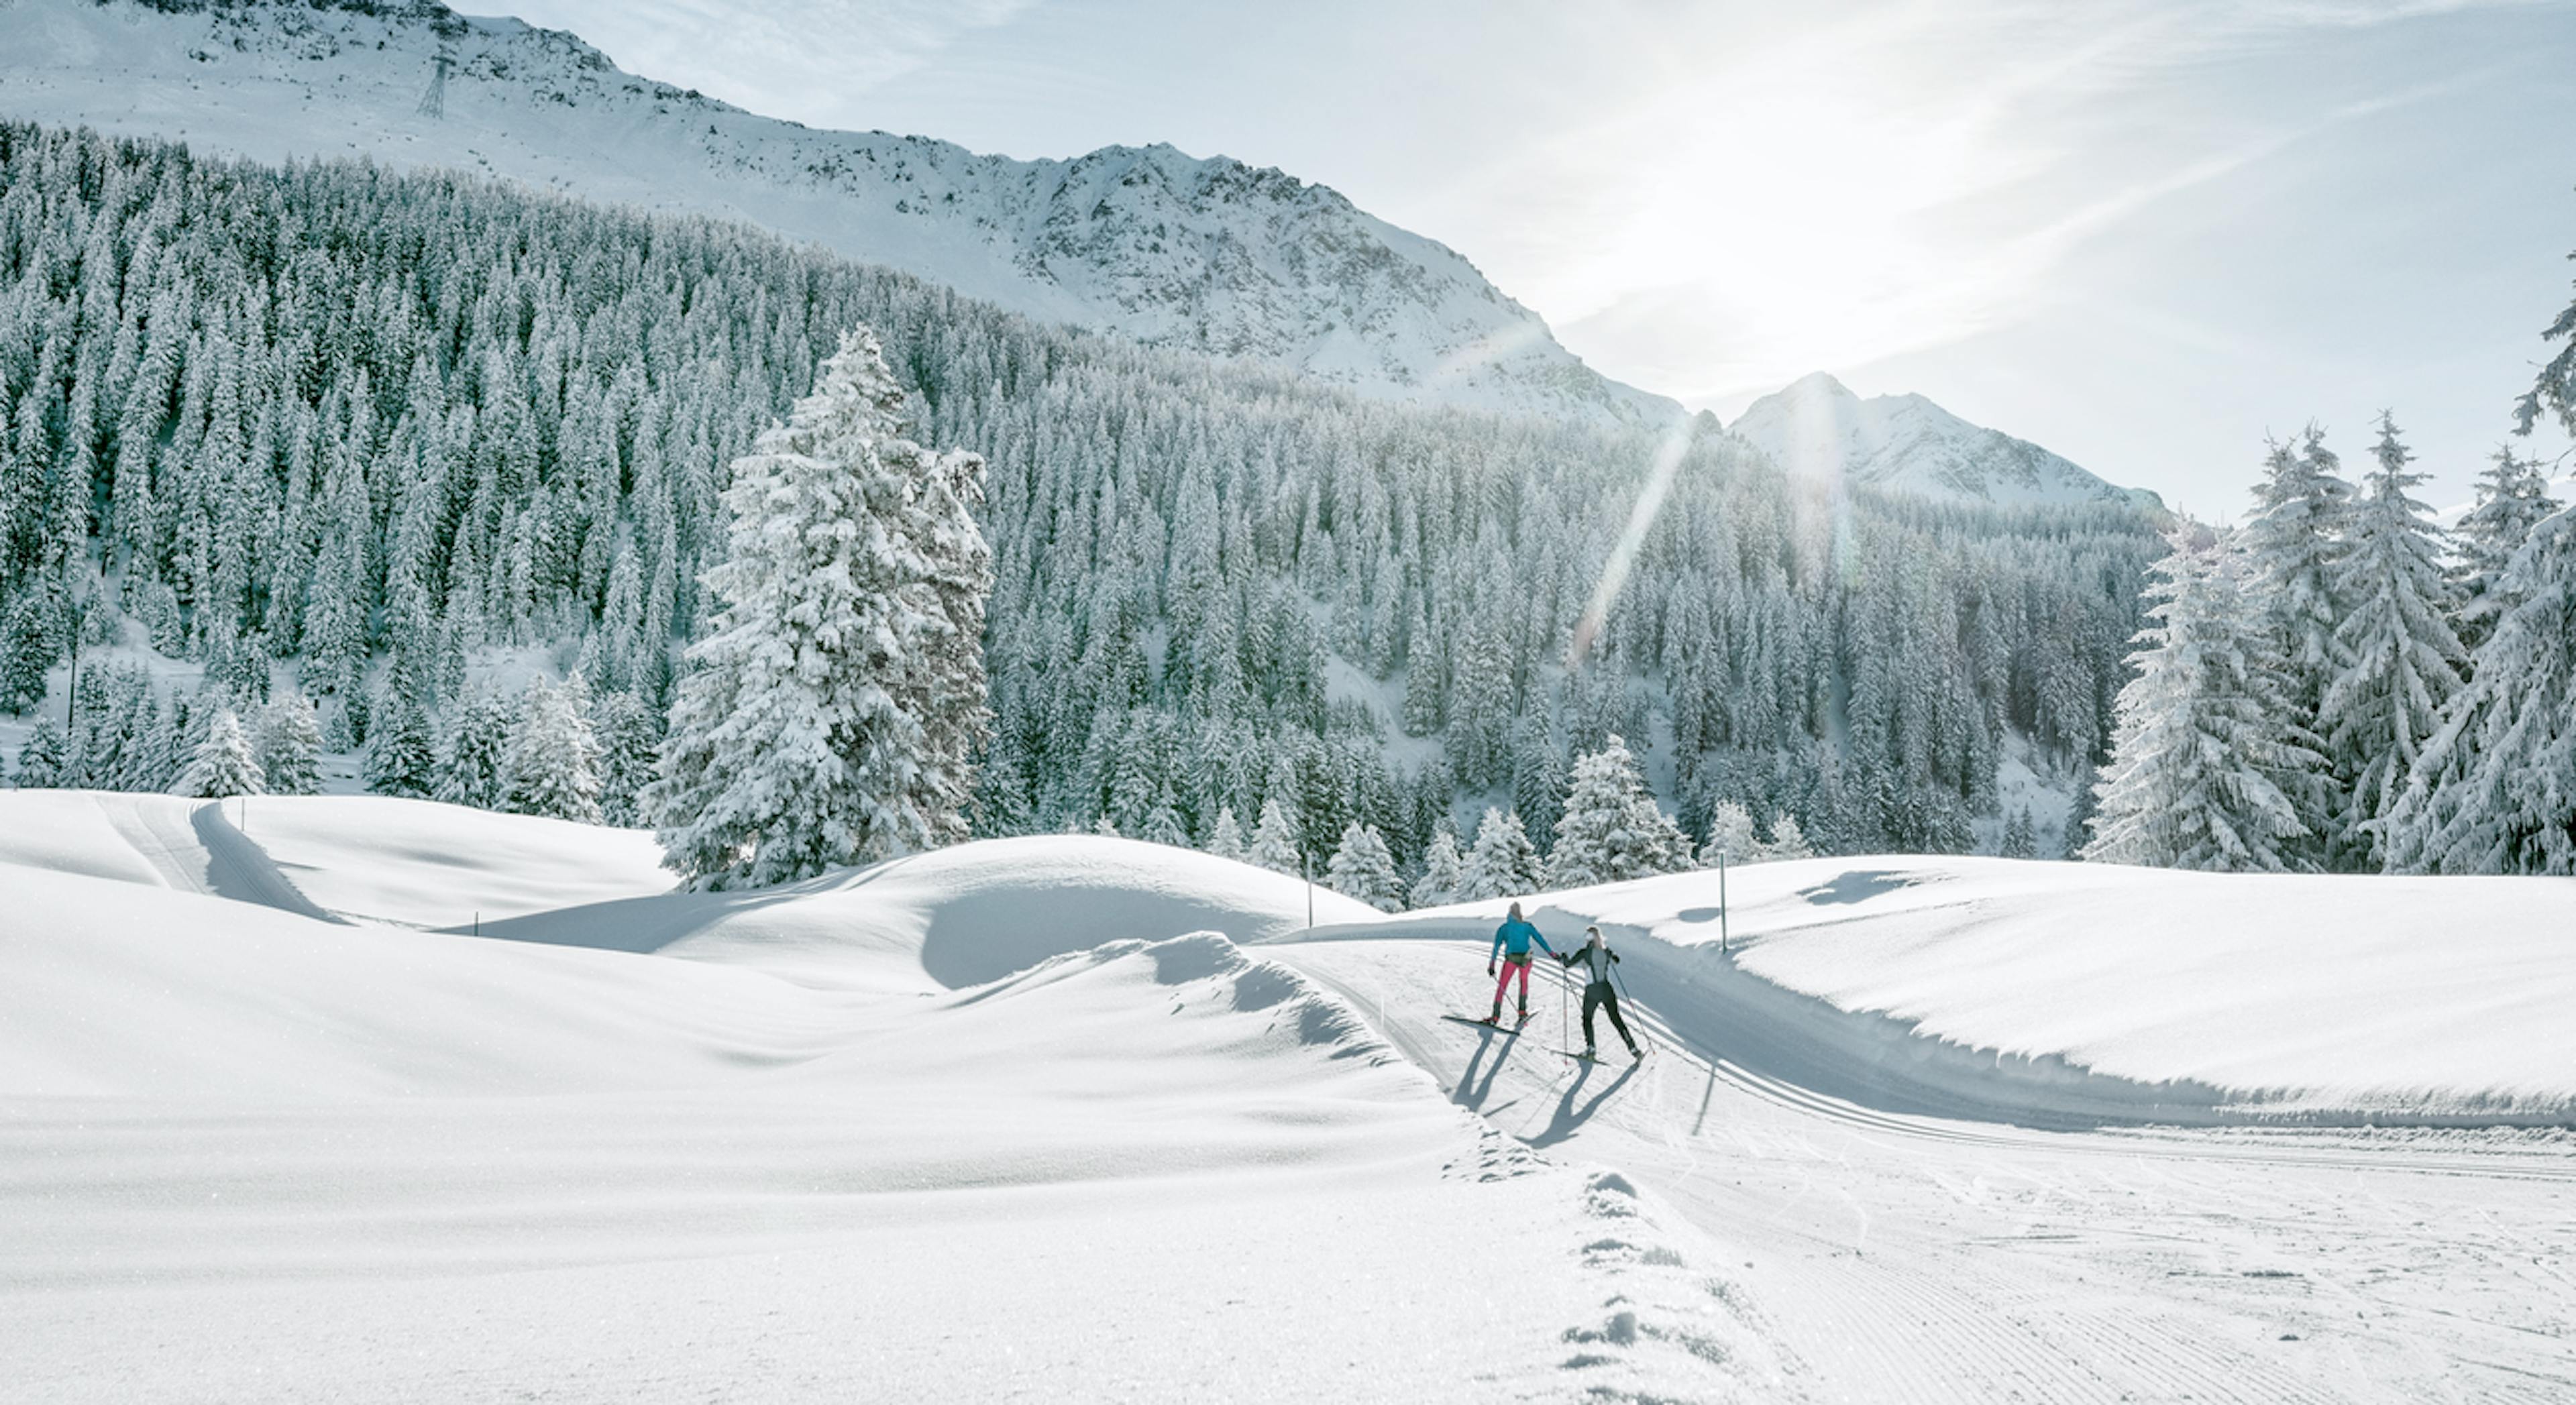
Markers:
point(797, 1164)
point(1205, 254)
point(1102, 1120)
point(1818, 429)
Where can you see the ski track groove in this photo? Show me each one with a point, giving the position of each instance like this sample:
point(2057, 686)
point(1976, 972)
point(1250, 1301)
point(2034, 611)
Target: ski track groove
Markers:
point(1999, 1338)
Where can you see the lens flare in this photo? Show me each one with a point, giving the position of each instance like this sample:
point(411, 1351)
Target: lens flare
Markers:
point(1623, 555)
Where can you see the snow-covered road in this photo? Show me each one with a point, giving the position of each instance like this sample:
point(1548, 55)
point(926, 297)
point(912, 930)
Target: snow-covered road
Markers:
point(1912, 1258)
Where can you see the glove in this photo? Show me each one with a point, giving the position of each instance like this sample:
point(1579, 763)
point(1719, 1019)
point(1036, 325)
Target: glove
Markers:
point(1489, 968)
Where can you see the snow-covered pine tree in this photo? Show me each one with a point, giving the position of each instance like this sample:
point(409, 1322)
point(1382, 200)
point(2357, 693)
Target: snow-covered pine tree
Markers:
point(1163, 824)
point(552, 765)
point(1730, 835)
point(1788, 840)
point(2020, 840)
point(944, 683)
point(26, 653)
point(473, 755)
point(2293, 547)
point(2513, 497)
point(795, 743)
point(1362, 868)
point(1502, 863)
point(1444, 870)
point(2201, 742)
point(402, 749)
point(223, 764)
point(40, 756)
point(1226, 839)
point(1612, 830)
point(289, 745)
point(2401, 660)
point(2495, 788)
point(1274, 839)
point(629, 739)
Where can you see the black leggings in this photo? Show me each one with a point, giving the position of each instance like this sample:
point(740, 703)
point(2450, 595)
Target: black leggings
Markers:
point(1595, 996)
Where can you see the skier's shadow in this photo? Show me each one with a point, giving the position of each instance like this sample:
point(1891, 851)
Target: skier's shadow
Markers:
point(1570, 1115)
point(1472, 1090)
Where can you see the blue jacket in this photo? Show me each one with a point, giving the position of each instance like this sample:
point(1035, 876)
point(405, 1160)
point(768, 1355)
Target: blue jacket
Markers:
point(1515, 938)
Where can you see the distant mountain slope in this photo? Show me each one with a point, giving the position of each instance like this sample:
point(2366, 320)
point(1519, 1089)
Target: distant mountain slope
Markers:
point(1907, 444)
point(1209, 254)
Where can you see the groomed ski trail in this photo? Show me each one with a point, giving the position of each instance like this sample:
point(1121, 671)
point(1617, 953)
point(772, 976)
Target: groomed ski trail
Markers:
point(1911, 1257)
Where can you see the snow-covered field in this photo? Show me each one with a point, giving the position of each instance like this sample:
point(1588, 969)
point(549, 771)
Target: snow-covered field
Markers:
point(1084, 1118)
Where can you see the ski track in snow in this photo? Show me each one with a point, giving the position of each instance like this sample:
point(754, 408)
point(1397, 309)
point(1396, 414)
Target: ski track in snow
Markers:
point(783, 1145)
point(1907, 1258)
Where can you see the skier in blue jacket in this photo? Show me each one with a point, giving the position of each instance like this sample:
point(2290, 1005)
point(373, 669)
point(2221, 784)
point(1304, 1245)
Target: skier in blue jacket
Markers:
point(1512, 946)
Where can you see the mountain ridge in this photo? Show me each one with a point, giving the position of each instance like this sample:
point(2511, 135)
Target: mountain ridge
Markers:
point(1206, 254)
point(1816, 427)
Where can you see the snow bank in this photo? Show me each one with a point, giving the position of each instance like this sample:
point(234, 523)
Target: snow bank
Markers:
point(2338, 998)
point(956, 917)
point(419, 863)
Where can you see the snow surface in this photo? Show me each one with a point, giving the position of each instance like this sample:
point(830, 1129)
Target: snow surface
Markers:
point(1096, 1119)
point(1204, 255)
point(1817, 429)
point(2057, 992)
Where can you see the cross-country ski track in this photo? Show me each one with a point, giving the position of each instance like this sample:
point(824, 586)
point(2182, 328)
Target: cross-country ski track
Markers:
point(1909, 1258)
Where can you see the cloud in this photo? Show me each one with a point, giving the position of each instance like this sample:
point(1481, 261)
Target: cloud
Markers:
point(811, 60)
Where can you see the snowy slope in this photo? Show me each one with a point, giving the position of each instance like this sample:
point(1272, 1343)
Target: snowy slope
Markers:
point(2067, 993)
point(1818, 429)
point(280, 1158)
point(285, 1157)
point(1206, 254)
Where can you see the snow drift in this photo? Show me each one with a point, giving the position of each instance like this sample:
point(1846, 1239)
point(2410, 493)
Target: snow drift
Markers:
point(1144, 1164)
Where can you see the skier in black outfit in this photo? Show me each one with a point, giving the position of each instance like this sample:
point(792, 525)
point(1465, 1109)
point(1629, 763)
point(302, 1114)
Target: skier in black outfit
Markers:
point(1597, 959)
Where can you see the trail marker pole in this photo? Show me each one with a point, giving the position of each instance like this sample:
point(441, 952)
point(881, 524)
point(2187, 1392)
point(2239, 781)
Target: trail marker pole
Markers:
point(1721, 902)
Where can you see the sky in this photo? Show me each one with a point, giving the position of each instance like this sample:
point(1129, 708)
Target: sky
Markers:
point(2146, 234)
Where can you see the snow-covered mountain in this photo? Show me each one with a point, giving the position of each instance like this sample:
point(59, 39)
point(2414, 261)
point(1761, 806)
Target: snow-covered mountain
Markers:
point(1907, 444)
point(1207, 254)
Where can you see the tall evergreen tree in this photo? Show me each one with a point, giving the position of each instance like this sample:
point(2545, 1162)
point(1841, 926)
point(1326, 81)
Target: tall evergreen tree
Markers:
point(1362, 868)
point(1444, 870)
point(1612, 829)
point(1788, 841)
point(289, 746)
point(1226, 840)
point(1274, 840)
point(629, 740)
point(2512, 498)
point(552, 765)
point(402, 750)
point(1730, 835)
point(40, 757)
point(473, 753)
point(795, 745)
point(2293, 547)
point(1502, 863)
point(223, 764)
point(2201, 745)
point(2401, 660)
point(2495, 788)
